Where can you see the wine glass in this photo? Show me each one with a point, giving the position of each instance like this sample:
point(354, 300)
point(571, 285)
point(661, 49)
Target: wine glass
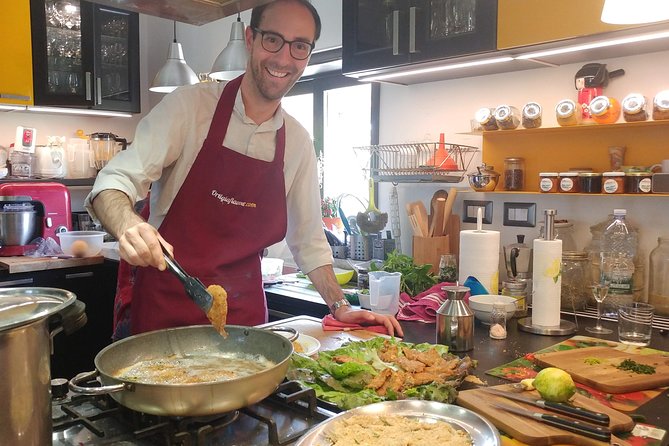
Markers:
point(599, 291)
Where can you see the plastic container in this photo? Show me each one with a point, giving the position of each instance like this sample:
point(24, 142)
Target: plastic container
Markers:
point(568, 112)
point(634, 107)
point(531, 115)
point(384, 292)
point(591, 182)
point(613, 182)
point(658, 285)
point(507, 117)
point(569, 182)
point(486, 118)
point(514, 173)
point(619, 247)
point(548, 182)
point(81, 243)
point(605, 110)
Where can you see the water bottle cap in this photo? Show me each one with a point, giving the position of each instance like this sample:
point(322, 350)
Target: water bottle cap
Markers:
point(620, 212)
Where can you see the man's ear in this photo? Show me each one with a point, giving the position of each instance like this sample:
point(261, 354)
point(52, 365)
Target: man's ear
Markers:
point(248, 38)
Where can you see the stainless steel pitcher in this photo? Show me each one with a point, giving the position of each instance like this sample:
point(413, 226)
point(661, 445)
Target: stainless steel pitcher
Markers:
point(455, 321)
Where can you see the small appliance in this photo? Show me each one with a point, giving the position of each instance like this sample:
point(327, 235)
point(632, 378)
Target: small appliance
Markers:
point(105, 146)
point(51, 205)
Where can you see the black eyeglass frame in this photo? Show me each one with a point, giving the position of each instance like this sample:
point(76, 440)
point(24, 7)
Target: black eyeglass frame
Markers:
point(290, 43)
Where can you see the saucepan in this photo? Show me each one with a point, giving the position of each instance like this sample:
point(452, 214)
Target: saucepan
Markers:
point(193, 399)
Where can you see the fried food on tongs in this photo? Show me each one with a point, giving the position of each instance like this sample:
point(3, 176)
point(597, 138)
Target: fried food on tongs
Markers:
point(218, 313)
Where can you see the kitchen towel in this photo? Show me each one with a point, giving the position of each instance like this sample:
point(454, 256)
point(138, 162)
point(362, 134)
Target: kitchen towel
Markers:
point(547, 280)
point(479, 257)
point(424, 306)
point(329, 323)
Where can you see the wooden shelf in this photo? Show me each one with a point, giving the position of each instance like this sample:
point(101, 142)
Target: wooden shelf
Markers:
point(533, 192)
point(559, 149)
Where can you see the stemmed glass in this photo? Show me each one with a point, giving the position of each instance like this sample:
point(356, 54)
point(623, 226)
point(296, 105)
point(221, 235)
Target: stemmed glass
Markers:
point(599, 291)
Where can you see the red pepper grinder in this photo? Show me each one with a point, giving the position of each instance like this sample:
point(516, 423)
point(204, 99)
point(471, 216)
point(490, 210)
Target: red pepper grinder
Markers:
point(590, 81)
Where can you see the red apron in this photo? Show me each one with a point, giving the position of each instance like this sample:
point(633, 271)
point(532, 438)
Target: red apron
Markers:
point(229, 208)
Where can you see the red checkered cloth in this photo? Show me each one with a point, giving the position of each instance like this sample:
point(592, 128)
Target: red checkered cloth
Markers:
point(424, 306)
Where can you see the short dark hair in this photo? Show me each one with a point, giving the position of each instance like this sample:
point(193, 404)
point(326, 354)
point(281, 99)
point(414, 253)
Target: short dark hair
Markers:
point(257, 12)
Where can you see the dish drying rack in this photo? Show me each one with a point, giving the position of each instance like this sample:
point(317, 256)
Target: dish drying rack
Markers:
point(414, 162)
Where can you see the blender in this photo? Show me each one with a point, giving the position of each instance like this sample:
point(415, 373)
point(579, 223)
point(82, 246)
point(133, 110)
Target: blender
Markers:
point(104, 146)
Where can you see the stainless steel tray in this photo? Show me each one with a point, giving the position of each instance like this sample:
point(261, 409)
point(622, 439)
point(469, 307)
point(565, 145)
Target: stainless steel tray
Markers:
point(483, 433)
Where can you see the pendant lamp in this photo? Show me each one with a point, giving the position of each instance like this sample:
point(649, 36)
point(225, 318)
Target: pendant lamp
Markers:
point(624, 12)
point(232, 60)
point(175, 72)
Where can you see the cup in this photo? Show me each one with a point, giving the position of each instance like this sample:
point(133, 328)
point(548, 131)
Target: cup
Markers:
point(635, 323)
point(384, 292)
point(662, 165)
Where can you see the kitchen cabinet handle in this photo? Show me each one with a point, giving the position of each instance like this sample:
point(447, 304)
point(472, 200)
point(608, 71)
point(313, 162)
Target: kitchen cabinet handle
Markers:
point(98, 90)
point(16, 282)
point(88, 77)
point(412, 29)
point(79, 275)
point(396, 32)
point(18, 97)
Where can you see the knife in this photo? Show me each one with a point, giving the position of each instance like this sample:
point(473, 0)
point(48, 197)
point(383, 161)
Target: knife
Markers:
point(562, 408)
point(578, 427)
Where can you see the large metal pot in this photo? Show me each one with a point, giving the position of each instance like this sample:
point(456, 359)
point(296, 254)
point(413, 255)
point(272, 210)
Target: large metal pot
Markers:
point(189, 399)
point(29, 318)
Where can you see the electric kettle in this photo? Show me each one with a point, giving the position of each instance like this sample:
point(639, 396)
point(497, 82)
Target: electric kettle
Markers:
point(104, 146)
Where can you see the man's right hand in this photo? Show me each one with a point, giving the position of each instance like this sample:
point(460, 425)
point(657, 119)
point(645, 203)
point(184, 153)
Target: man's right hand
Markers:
point(139, 245)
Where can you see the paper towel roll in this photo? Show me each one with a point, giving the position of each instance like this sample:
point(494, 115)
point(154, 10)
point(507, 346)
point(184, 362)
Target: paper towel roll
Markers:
point(547, 280)
point(479, 257)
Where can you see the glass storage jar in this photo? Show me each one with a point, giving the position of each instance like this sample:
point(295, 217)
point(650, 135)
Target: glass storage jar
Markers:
point(486, 118)
point(591, 182)
point(613, 182)
point(568, 112)
point(575, 281)
point(638, 182)
point(569, 182)
point(604, 110)
point(514, 173)
point(661, 105)
point(634, 107)
point(531, 115)
point(507, 117)
point(518, 290)
point(548, 182)
point(658, 276)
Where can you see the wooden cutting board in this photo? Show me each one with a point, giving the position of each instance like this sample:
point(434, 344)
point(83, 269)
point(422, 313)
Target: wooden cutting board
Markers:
point(605, 376)
point(532, 432)
point(23, 264)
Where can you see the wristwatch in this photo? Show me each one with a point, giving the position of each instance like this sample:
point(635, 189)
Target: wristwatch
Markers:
point(338, 304)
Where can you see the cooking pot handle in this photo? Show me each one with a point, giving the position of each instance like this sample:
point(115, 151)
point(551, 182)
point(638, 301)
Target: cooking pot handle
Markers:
point(294, 334)
point(103, 390)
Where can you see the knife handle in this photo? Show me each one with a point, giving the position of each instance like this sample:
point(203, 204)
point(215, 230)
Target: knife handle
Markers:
point(578, 412)
point(578, 427)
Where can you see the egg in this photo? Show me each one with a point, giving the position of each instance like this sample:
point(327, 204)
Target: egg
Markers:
point(79, 248)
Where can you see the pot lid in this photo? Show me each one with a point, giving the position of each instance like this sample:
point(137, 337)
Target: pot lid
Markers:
point(21, 306)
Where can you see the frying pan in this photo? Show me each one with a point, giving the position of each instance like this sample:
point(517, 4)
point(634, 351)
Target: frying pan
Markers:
point(196, 399)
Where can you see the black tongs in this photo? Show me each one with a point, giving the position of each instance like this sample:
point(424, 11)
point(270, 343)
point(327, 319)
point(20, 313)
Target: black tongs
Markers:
point(193, 286)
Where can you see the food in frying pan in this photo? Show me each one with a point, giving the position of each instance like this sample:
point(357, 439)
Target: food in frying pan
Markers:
point(393, 429)
point(218, 313)
point(194, 369)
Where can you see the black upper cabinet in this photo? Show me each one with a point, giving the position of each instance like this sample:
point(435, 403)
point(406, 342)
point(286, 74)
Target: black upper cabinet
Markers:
point(380, 34)
point(85, 55)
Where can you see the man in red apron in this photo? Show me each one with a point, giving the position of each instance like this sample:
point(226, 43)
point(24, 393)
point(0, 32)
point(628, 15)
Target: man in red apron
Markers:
point(224, 185)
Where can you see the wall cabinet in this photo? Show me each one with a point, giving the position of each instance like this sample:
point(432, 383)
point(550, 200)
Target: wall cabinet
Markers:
point(16, 83)
point(380, 34)
point(558, 149)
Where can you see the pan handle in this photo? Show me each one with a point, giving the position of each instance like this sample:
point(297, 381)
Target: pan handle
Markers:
point(294, 334)
point(103, 390)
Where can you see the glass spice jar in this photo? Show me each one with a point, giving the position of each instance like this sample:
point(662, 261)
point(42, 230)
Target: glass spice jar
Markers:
point(498, 321)
point(518, 290)
point(661, 105)
point(634, 107)
point(638, 182)
point(575, 280)
point(514, 173)
point(591, 182)
point(568, 112)
point(448, 268)
point(507, 117)
point(531, 115)
point(613, 182)
point(569, 182)
point(604, 110)
point(548, 182)
point(486, 118)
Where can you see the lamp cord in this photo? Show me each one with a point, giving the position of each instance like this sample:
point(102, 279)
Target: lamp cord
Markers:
point(175, 31)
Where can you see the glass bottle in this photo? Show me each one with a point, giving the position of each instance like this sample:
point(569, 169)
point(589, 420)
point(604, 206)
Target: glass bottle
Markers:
point(658, 286)
point(448, 268)
point(514, 173)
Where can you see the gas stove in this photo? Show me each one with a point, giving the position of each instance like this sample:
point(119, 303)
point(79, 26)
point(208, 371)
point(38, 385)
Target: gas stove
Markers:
point(278, 420)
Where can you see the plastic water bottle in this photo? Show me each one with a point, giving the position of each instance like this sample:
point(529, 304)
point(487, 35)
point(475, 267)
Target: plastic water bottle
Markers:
point(618, 246)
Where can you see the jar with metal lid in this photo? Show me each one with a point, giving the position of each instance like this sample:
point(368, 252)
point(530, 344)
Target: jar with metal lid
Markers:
point(634, 107)
point(518, 290)
point(569, 182)
point(568, 112)
point(661, 105)
point(486, 118)
point(548, 182)
point(514, 173)
point(613, 183)
point(575, 281)
point(507, 117)
point(638, 182)
point(563, 230)
point(363, 278)
point(531, 115)
point(591, 182)
point(604, 110)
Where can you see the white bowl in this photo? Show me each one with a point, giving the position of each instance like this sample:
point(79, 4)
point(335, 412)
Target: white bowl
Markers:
point(481, 305)
point(81, 243)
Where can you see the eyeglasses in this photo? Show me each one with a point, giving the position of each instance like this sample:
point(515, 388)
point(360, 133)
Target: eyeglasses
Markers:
point(273, 43)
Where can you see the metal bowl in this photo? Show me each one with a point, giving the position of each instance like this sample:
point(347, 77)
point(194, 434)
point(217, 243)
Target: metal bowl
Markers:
point(483, 182)
point(17, 228)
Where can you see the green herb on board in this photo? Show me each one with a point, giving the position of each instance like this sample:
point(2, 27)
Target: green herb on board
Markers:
point(635, 367)
point(592, 361)
point(415, 279)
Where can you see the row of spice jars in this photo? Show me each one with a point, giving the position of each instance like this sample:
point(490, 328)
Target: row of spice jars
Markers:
point(607, 110)
point(595, 182)
point(508, 117)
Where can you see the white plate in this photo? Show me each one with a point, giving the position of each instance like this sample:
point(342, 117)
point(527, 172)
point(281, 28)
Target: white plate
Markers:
point(310, 345)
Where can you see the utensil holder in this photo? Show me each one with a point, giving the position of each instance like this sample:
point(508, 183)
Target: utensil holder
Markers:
point(429, 250)
point(361, 247)
point(339, 252)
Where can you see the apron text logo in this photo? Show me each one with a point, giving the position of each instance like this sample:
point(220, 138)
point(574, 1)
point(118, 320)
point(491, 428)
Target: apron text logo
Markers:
point(228, 200)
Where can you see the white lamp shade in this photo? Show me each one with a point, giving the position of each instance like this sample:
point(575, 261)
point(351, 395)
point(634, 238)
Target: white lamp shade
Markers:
point(628, 12)
point(232, 60)
point(174, 73)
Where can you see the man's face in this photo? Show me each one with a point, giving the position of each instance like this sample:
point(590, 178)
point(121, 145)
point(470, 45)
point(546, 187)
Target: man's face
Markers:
point(276, 73)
